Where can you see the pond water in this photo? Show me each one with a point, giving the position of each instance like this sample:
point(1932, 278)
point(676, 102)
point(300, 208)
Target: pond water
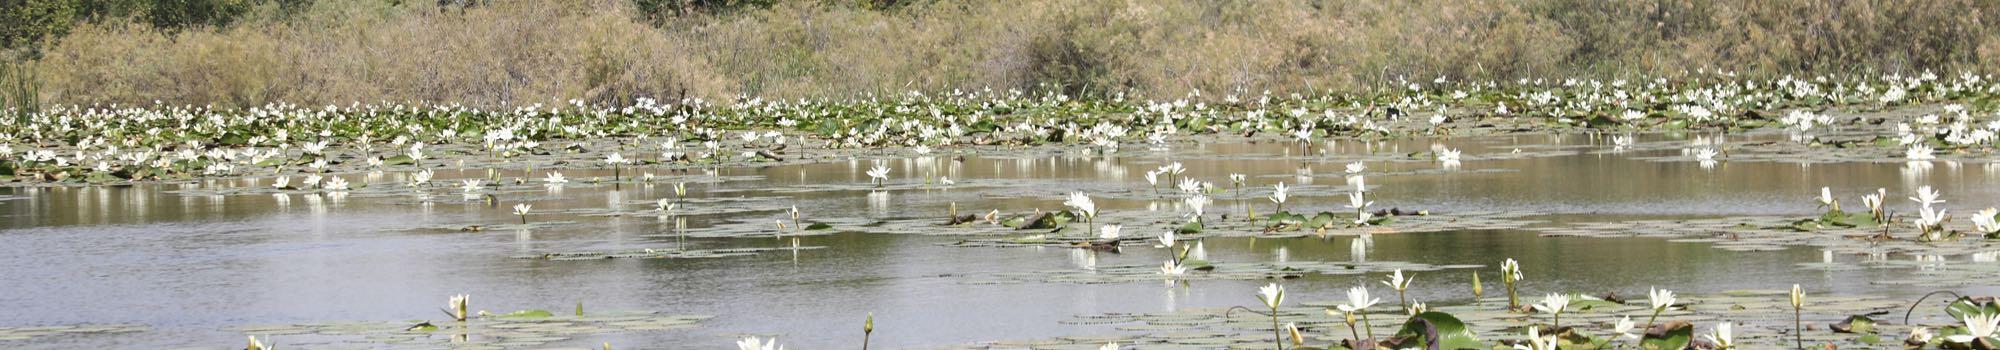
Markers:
point(195, 268)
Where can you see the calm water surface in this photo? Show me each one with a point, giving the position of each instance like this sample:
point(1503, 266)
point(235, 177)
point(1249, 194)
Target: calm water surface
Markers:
point(191, 266)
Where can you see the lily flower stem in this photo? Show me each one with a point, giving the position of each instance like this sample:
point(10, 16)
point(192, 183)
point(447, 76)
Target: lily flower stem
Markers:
point(1368, 327)
point(1277, 333)
point(1512, 300)
point(1357, 333)
point(1799, 327)
point(1558, 320)
point(1656, 316)
point(1400, 301)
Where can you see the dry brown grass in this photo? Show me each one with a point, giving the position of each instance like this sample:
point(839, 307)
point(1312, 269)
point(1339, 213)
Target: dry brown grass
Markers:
point(535, 51)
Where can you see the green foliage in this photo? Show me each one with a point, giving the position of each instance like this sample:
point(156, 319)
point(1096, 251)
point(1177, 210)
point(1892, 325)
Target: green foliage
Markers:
point(183, 14)
point(1670, 336)
point(20, 90)
point(25, 22)
point(1452, 334)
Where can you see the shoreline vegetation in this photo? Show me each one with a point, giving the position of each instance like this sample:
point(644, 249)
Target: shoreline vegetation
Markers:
point(246, 53)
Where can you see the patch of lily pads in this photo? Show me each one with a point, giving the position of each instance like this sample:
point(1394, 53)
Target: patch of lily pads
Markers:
point(521, 329)
point(8, 334)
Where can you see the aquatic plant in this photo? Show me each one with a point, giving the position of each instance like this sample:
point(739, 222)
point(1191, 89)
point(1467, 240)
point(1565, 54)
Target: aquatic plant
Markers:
point(1358, 302)
point(259, 345)
point(1083, 205)
point(1400, 284)
point(1623, 328)
point(1279, 193)
point(615, 160)
point(1273, 295)
point(1537, 342)
point(754, 343)
point(867, 330)
point(1659, 300)
point(1979, 327)
point(1798, 316)
point(521, 210)
point(1109, 233)
point(1510, 274)
point(1721, 336)
point(1826, 199)
point(1874, 203)
point(1554, 304)
point(878, 174)
point(456, 307)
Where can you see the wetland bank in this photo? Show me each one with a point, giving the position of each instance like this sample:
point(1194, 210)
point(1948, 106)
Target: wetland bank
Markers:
point(1013, 220)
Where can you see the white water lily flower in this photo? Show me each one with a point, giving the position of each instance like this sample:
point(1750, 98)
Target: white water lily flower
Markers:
point(1082, 203)
point(1874, 201)
point(522, 209)
point(335, 184)
point(1398, 282)
point(457, 305)
point(470, 185)
point(1826, 196)
point(1418, 308)
point(1624, 328)
point(1356, 167)
point(1926, 196)
point(555, 178)
point(1536, 341)
point(1920, 335)
point(1919, 152)
point(753, 343)
point(1660, 299)
point(1272, 295)
point(421, 177)
point(282, 182)
point(1172, 268)
point(1980, 325)
point(258, 345)
point(1721, 336)
point(1358, 200)
point(1109, 346)
point(1190, 185)
point(1109, 232)
point(1511, 267)
point(1984, 221)
point(1167, 239)
point(1236, 178)
point(1280, 193)
point(1554, 303)
point(1448, 155)
point(1198, 204)
point(1362, 218)
point(878, 173)
point(1357, 300)
point(1153, 177)
point(615, 159)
